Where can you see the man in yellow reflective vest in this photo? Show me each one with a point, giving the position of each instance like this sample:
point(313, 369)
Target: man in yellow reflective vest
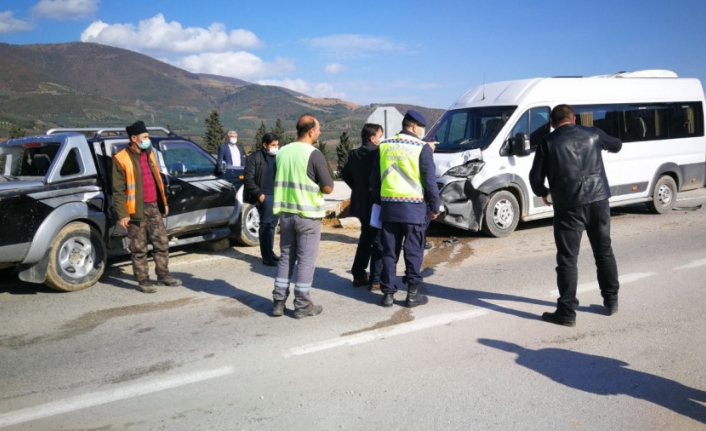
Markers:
point(404, 183)
point(301, 181)
point(140, 203)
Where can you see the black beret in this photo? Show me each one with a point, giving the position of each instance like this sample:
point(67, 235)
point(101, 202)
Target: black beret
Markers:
point(415, 117)
point(136, 128)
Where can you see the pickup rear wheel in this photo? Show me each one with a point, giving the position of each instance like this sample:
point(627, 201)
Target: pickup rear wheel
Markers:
point(77, 258)
point(664, 196)
point(501, 214)
point(247, 232)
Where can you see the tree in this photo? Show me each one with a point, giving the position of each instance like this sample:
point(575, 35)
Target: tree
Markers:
point(284, 137)
point(342, 149)
point(257, 145)
point(215, 134)
point(321, 146)
point(17, 131)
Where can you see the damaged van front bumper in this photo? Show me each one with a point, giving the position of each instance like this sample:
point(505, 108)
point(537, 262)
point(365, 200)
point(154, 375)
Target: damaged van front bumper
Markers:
point(461, 203)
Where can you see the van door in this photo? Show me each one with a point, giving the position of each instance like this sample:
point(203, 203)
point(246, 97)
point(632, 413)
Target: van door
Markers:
point(534, 123)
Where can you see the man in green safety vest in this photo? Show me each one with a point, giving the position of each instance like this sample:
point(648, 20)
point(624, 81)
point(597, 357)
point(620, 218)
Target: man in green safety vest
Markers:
point(301, 181)
point(404, 183)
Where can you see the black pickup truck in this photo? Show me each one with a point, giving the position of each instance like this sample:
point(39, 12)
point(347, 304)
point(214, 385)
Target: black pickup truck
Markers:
point(57, 223)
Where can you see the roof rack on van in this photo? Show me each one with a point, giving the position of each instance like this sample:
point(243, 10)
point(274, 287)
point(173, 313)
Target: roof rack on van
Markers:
point(649, 73)
point(100, 131)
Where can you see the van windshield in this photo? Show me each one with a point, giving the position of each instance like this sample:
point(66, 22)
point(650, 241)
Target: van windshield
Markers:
point(468, 129)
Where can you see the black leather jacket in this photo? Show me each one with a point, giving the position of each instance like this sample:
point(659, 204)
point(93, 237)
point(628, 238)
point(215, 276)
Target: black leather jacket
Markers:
point(570, 158)
point(256, 169)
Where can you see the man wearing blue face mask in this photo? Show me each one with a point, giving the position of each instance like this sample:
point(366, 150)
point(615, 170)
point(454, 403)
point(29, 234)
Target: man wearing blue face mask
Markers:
point(259, 190)
point(140, 203)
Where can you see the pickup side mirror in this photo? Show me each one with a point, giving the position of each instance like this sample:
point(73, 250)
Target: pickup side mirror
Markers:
point(221, 168)
point(520, 145)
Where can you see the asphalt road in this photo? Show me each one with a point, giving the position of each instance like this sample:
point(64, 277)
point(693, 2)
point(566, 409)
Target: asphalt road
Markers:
point(207, 355)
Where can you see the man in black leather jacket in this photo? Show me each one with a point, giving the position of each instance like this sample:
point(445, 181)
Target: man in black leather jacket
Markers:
point(570, 158)
point(258, 189)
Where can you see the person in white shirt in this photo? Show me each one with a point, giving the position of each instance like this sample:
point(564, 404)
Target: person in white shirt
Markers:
point(232, 152)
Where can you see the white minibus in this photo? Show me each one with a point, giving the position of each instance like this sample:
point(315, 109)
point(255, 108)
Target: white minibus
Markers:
point(487, 138)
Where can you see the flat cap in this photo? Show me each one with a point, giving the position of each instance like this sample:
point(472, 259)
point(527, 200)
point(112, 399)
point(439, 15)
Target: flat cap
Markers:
point(415, 117)
point(136, 128)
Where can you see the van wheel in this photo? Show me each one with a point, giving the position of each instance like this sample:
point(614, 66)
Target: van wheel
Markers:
point(246, 233)
point(501, 215)
point(664, 196)
point(77, 258)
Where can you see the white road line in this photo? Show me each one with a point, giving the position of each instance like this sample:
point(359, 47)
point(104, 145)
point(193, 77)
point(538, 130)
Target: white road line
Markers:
point(377, 334)
point(105, 397)
point(624, 279)
point(690, 199)
point(694, 264)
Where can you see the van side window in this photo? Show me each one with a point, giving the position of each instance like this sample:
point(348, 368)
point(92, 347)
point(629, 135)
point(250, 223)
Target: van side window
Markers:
point(636, 122)
point(533, 123)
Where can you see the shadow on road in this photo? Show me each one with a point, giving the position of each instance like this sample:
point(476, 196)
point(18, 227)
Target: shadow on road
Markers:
point(606, 376)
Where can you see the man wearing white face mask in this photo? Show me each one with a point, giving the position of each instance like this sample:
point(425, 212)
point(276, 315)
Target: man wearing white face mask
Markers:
point(140, 203)
point(259, 190)
point(232, 152)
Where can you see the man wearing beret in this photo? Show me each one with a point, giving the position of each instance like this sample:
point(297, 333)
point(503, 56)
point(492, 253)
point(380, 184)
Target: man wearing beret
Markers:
point(404, 183)
point(140, 203)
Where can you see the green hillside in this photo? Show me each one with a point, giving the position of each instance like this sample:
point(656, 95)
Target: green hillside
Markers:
point(86, 84)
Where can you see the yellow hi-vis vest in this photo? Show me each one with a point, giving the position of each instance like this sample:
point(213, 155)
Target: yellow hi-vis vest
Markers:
point(295, 192)
point(399, 169)
point(123, 158)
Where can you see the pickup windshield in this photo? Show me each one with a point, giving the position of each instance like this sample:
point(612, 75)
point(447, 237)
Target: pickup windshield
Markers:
point(468, 129)
point(28, 160)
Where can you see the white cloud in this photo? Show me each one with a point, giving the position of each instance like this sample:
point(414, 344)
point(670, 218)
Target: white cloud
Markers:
point(10, 24)
point(240, 64)
point(334, 68)
point(308, 88)
point(157, 35)
point(348, 45)
point(65, 9)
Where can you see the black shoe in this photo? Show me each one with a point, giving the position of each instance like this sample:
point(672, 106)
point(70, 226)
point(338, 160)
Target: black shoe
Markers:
point(269, 263)
point(274, 258)
point(311, 310)
point(558, 319)
point(428, 245)
point(360, 281)
point(388, 299)
point(414, 298)
point(278, 308)
point(611, 308)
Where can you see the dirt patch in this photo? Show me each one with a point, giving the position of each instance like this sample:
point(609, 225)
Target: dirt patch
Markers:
point(158, 368)
point(92, 320)
point(401, 316)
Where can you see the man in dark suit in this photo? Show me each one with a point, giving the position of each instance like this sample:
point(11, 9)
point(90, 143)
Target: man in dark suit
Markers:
point(356, 173)
point(232, 152)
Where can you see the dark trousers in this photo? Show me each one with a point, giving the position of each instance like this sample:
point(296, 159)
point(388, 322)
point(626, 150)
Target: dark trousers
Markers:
point(268, 224)
point(569, 225)
point(393, 237)
point(369, 251)
point(149, 230)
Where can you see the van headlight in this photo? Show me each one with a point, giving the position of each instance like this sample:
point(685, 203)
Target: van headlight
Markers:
point(468, 169)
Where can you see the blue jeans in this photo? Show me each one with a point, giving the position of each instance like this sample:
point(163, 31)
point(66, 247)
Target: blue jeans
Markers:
point(268, 223)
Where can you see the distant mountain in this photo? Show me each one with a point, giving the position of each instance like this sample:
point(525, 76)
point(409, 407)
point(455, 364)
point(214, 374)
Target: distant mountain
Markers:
point(86, 84)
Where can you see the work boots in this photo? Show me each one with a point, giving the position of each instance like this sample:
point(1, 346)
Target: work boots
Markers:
point(278, 308)
point(388, 299)
point(414, 298)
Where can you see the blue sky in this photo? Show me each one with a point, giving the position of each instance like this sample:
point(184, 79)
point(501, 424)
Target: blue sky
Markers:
point(426, 53)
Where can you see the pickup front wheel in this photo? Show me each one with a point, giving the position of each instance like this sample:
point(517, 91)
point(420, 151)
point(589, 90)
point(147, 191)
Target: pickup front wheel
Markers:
point(77, 258)
point(247, 232)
